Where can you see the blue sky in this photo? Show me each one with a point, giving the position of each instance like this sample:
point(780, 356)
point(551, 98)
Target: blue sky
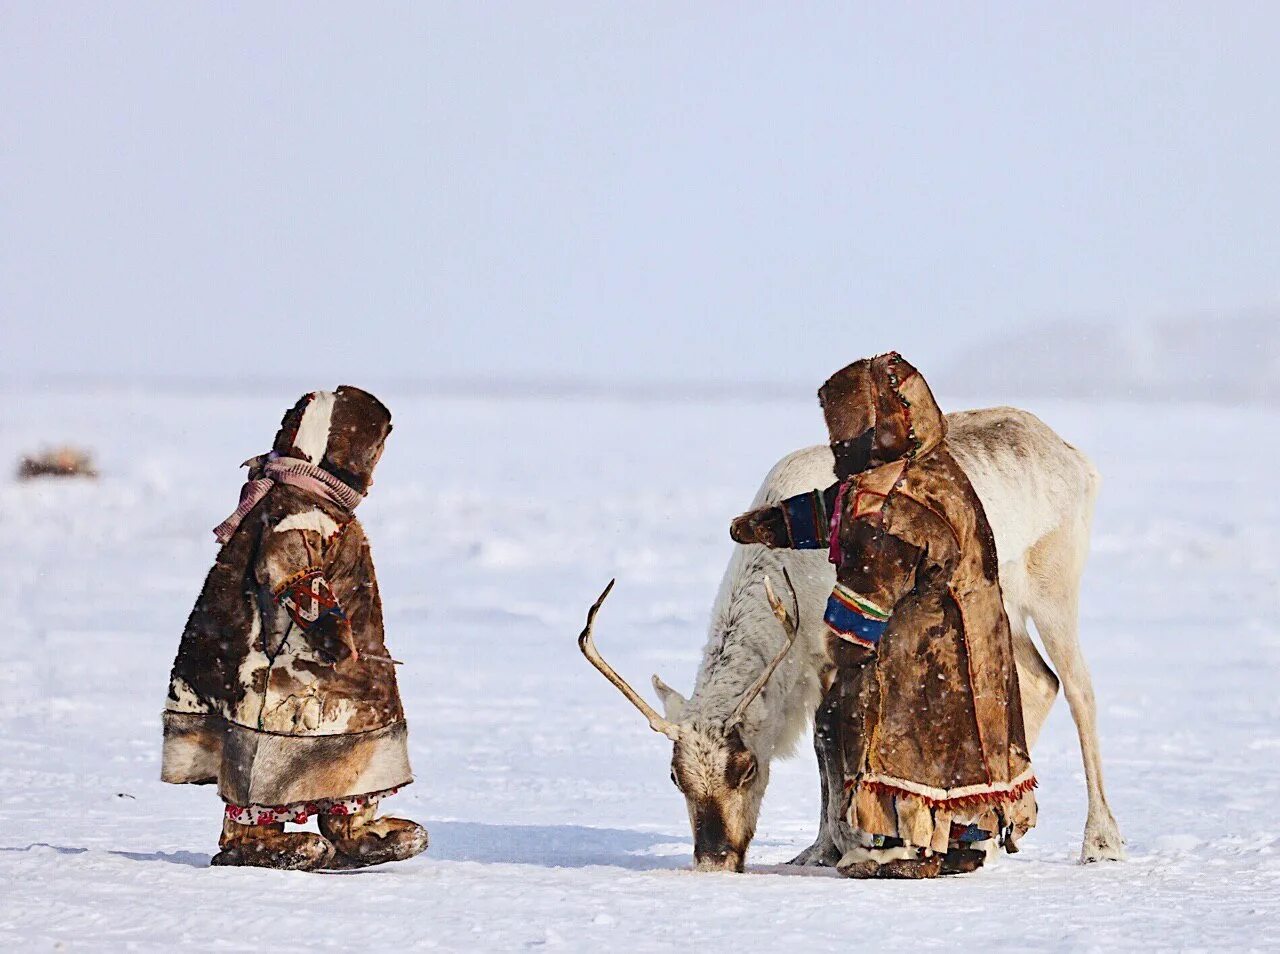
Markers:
point(718, 191)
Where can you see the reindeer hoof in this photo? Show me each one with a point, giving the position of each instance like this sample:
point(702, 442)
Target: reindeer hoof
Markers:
point(1102, 847)
point(817, 855)
point(1089, 855)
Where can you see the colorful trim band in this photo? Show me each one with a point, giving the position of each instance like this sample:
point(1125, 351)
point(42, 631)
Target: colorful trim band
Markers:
point(299, 812)
point(966, 796)
point(807, 520)
point(968, 834)
point(308, 599)
point(855, 618)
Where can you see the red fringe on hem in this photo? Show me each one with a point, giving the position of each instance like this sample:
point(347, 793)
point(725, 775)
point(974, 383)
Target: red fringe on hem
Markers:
point(963, 802)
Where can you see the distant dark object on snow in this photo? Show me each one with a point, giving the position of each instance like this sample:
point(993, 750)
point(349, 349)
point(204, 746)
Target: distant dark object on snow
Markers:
point(59, 462)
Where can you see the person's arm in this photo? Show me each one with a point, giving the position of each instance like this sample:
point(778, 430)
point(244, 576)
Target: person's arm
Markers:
point(877, 570)
point(291, 566)
point(802, 522)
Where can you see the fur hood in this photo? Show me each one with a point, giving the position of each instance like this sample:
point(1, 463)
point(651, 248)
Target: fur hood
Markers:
point(258, 701)
point(342, 432)
point(879, 410)
point(922, 707)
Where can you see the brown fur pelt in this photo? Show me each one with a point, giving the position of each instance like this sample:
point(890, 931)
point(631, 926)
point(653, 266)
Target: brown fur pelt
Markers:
point(923, 699)
point(283, 689)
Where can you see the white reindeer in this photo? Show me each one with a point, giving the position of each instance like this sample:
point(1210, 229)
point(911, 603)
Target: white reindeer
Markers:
point(753, 699)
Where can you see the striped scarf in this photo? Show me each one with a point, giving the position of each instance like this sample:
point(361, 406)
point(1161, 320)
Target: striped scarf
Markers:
point(295, 473)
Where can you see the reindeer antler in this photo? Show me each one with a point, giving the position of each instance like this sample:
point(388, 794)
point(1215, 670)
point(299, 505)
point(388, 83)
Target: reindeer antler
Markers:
point(790, 625)
point(586, 642)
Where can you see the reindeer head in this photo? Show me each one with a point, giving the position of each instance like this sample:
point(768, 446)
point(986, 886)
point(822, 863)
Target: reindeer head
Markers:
point(718, 774)
point(712, 765)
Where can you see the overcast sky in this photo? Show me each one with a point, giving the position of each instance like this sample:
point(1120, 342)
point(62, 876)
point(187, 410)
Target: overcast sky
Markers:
point(618, 190)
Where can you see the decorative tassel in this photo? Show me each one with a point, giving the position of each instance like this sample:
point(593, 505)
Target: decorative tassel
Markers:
point(963, 804)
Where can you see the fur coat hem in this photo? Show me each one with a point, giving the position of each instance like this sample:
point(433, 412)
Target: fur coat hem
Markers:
point(925, 817)
point(264, 768)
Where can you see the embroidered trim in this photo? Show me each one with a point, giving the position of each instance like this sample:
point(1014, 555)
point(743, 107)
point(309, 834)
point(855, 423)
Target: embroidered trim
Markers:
point(299, 812)
point(964, 834)
point(309, 599)
point(294, 578)
point(966, 796)
point(855, 618)
point(861, 603)
point(896, 384)
point(806, 518)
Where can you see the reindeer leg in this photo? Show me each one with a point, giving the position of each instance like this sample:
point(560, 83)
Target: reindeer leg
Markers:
point(1056, 567)
point(823, 852)
point(1037, 683)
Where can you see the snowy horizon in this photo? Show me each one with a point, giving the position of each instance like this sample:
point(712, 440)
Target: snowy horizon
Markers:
point(1211, 358)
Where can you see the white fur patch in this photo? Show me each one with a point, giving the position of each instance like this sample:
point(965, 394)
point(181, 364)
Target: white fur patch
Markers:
point(313, 429)
point(305, 709)
point(879, 855)
point(184, 697)
point(313, 520)
point(250, 707)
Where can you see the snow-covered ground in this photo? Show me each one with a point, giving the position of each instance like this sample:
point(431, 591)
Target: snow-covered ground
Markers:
point(494, 524)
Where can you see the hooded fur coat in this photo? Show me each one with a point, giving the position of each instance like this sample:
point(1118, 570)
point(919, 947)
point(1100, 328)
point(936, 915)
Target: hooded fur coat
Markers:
point(256, 702)
point(922, 695)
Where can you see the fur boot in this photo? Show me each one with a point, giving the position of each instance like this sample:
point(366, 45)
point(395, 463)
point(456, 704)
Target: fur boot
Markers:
point(963, 860)
point(362, 840)
point(899, 868)
point(269, 846)
point(891, 861)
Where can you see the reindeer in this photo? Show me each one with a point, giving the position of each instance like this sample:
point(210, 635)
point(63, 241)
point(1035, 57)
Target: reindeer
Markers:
point(754, 696)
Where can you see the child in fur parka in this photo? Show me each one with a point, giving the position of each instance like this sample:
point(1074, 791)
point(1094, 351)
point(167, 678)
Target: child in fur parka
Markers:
point(921, 699)
point(283, 693)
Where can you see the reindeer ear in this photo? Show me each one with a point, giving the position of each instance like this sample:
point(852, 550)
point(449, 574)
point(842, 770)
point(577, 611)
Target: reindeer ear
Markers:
point(741, 766)
point(672, 702)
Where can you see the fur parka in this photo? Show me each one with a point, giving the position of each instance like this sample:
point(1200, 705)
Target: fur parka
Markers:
point(922, 695)
point(282, 690)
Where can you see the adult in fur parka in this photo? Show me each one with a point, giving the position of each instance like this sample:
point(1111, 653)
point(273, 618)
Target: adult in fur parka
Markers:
point(283, 692)
point(921, 700)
